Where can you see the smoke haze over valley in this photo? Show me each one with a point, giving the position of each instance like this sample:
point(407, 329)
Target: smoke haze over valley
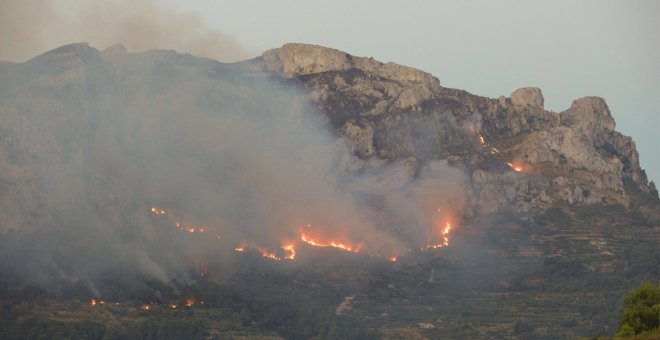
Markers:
point(162, 182)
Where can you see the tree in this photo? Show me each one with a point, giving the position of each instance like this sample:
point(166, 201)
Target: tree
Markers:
point(641, 313)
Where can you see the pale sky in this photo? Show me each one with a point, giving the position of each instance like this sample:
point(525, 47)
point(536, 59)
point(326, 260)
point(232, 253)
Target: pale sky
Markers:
point(570, 49)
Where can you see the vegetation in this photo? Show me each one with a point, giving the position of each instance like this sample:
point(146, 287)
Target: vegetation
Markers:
point(641, 314)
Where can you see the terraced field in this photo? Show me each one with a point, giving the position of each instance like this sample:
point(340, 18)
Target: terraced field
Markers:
point(561, 275)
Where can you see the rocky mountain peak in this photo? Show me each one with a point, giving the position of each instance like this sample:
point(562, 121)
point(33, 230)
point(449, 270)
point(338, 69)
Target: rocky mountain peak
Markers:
point(530, 97)
point(393, 112)
point(590, 114)
point(294, 59)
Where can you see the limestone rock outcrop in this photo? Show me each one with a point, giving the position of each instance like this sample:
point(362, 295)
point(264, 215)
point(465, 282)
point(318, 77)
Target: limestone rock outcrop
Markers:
point(530, 97)
point(392, 112)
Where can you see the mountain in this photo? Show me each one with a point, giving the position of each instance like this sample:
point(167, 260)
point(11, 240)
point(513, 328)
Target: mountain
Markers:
point(120, 172)
point(390, 112)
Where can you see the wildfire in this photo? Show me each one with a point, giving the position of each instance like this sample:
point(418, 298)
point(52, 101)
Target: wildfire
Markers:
point(190, 302)
point(239, 249)
point(481, 139)
point(157, 211)
point(265, 253)
point(190, 229)
point(517, 168)
point(92, 302)
point(392, 259)
point(172, 306)
point(145, 307)
point(289, 252)
point(333, 244)
point(445, 238)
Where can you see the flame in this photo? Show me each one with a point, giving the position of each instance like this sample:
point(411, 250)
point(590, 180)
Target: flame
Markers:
point(392, 259)
point(157, 211)
point(145, 307)
point(265, 253)
point(516, 167)
point(190, 229)
point(190, 302)
point(92, 302)
point(481, 139)
point(333, 244)
point(172, 306)
point(239, 249)
point(444, 232)
point(289, 251)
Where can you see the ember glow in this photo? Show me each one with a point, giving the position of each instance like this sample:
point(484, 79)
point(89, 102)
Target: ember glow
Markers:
point(307, 239)
point(267, 254)
point(92, 302)
point(444, 233)
point(289, 252)
point(515, 167)
point(157, 211)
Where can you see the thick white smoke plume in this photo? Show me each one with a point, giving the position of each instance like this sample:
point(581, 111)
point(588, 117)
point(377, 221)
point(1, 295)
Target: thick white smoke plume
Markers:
point(240, 156)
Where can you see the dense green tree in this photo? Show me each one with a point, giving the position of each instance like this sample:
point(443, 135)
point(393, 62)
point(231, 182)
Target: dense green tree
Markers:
point(641, 314)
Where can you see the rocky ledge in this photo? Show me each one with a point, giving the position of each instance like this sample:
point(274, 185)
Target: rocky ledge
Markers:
point(391, 112)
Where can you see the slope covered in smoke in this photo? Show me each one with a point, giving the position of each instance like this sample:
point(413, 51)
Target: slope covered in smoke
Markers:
point(97, 143)
point(164, 167)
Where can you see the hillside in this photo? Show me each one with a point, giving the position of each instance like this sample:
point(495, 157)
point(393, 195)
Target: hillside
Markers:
point(308, 182)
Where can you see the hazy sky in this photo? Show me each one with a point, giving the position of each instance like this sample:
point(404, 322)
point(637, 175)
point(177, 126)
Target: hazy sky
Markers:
point(569, 49)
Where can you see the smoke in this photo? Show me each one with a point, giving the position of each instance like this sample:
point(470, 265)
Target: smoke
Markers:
point(243, 157)
point(32, 26)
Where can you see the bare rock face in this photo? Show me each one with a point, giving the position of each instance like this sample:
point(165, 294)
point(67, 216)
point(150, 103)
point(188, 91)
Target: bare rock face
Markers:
point(407, 86)
point(301, 59)
point(530, 97)
point(392, 112)
point(590, 114)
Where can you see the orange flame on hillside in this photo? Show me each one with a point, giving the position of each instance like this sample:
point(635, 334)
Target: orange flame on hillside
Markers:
point(515, 167)
point(289, 251)
point(157, 211)
point(92, 302)
point(265, 253)
point(333, 244)
point(445, 238)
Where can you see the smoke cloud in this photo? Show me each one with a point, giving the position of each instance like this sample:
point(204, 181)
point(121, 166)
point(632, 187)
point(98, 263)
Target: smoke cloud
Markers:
point(32, 26)
point(113, 135)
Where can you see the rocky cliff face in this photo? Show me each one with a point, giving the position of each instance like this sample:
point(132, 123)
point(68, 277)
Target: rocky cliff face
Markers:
point(393, 112)
point(53, 105)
